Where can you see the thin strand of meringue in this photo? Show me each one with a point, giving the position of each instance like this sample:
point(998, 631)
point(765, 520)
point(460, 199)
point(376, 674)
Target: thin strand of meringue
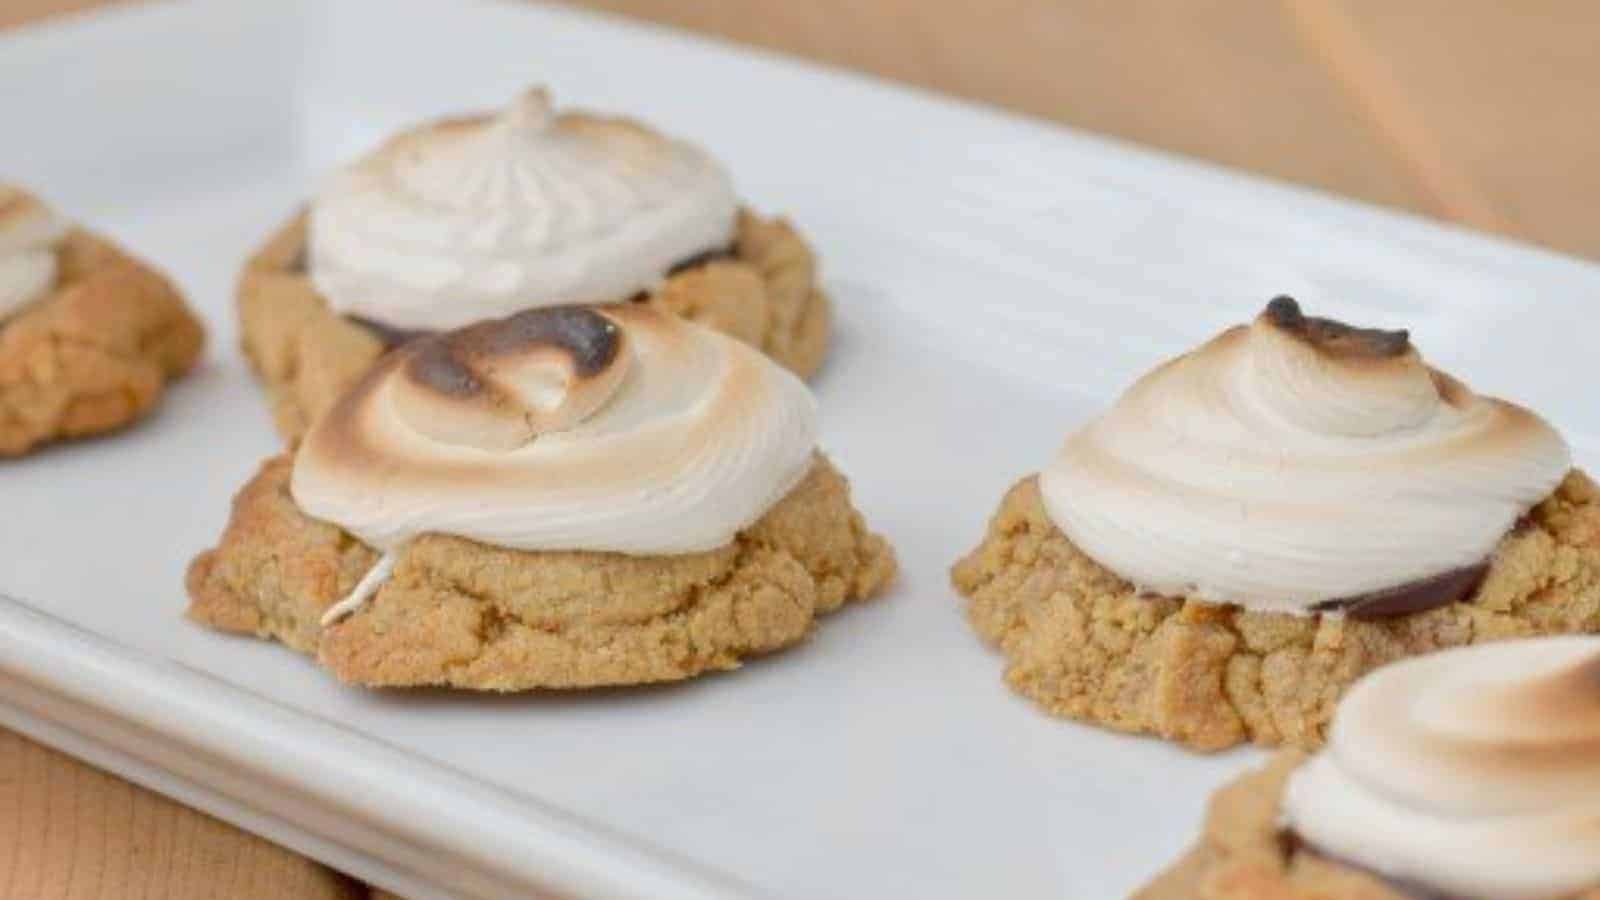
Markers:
point(365, 588)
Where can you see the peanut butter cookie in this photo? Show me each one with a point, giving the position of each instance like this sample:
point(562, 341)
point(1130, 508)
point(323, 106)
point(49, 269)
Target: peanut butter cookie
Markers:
point(464, 614)
point(1084, 644)
point(93, 337)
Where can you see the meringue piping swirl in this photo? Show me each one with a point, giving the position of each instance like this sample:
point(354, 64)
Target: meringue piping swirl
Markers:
point(1474, 772)
point(470, 219)
point(618, 429)
point(29, 234)
point(1297, 461)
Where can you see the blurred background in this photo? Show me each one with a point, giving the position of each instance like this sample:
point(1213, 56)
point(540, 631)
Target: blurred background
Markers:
point(1478, 112)
point(1475, 111)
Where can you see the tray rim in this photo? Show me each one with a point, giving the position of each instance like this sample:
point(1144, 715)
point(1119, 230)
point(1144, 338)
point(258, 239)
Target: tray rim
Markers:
point(150, 720)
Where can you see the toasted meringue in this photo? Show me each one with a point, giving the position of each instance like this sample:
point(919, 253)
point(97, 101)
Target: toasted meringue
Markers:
point(1297, 462)
point(1474, 772)
point(470, 219)
point(29, 234)
point(621, 429)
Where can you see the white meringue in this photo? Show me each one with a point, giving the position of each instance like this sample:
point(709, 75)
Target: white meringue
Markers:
point(29, 234)
point(621, 429)
point(471, 219)
point(1297, 461)
point(1475, 772)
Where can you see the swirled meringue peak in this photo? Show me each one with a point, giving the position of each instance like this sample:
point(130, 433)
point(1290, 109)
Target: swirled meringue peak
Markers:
point(477, 218)
point(29, 234)
point(616, 429)
point(1472, 772)
point(1297, 464)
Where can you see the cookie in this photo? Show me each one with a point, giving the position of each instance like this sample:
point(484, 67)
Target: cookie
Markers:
point(95, 347)
point(1466, 773)
point(464, 614)
point(567, 497)
point(1085, 644)
point(1255, 524)
point(470, 219)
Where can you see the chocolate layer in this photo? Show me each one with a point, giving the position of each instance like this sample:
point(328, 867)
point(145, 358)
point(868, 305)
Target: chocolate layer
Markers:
point(1418, 596)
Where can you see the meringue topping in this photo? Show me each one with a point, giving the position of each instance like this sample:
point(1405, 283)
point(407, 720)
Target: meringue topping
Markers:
point(477, 218)
point(29, 234)
point(1474, 772)
point(1297, 462)
point(618, 429)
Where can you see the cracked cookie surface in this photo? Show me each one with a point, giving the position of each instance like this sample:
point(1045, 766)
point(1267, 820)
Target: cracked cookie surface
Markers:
point(765, 293)
point(1082, 643)
point(96, 353)
point(463, 614)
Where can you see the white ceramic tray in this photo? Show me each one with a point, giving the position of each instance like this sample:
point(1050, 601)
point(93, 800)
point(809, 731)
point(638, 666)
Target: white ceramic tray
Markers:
point(997, 279)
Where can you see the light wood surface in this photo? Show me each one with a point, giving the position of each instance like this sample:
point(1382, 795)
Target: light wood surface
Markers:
point(1475, 111)
point(71, 832)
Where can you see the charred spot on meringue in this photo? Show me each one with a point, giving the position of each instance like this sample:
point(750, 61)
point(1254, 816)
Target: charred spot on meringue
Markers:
point(588, 341)
point(1333, 336)
point(499, 384)
point(435, 363)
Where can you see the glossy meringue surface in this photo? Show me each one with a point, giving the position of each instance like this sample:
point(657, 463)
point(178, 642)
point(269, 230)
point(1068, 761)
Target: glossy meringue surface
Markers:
point(615, 429)
point(29, 234)
point(470, 219)
point(1296, 461)
point(1474, 772)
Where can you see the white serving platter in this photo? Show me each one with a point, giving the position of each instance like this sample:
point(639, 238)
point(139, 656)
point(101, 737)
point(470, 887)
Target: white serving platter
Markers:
point(997, 280)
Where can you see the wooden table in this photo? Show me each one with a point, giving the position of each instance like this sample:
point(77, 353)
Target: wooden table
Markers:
point(1475, 111)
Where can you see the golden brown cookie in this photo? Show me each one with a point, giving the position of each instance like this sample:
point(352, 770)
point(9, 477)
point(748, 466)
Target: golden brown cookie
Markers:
point(765, 293)
point(1243, 854)
point(96, 352)
point(1082, 643)
point(460, 613)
